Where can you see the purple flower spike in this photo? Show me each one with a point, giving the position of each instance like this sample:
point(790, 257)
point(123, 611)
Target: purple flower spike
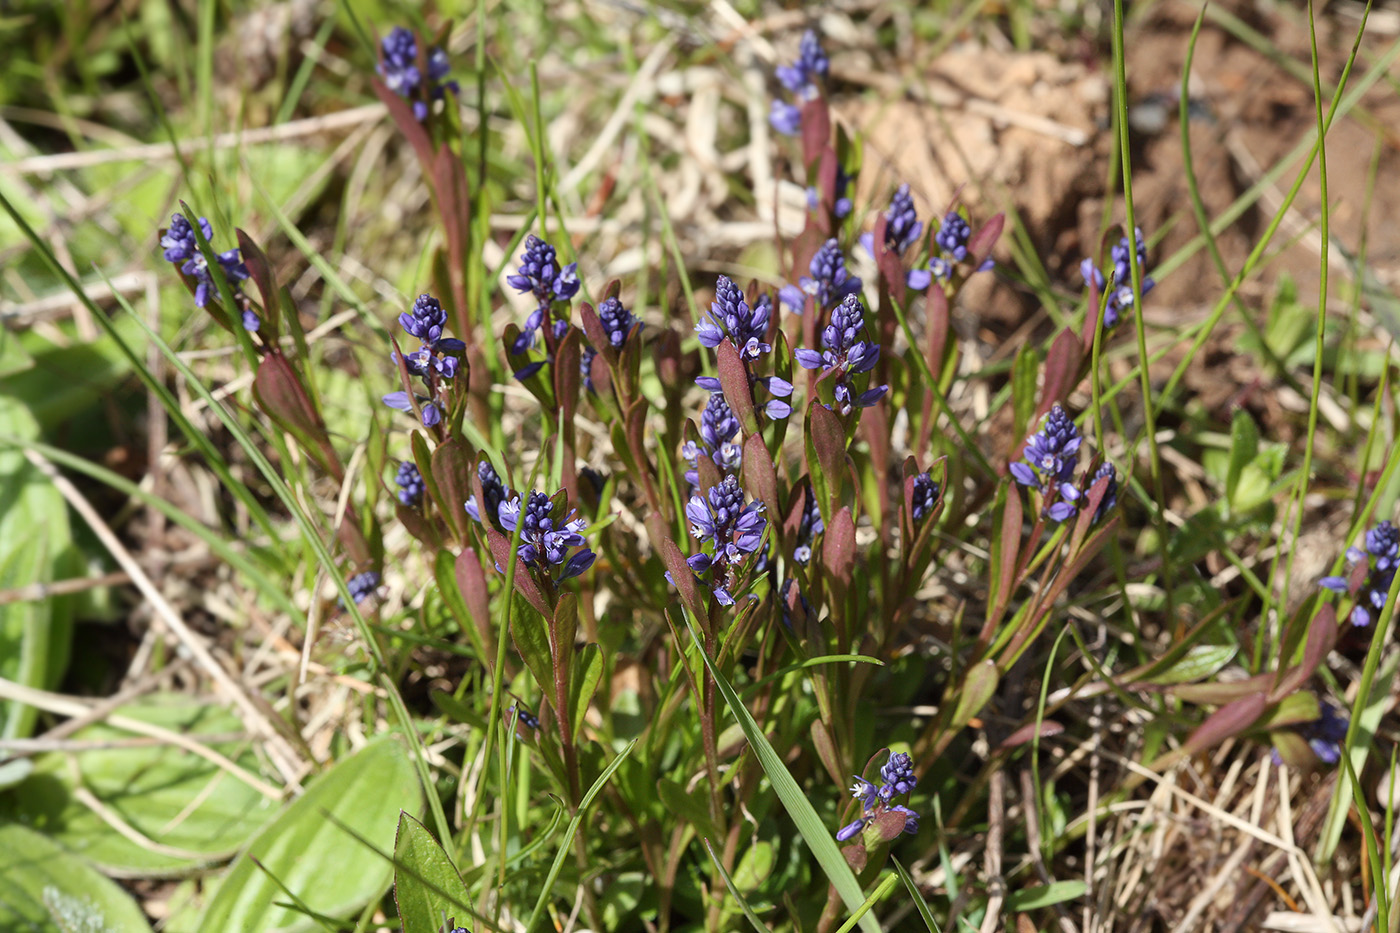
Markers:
point(1120, 300)
point(785, 118)
point(362, 585)
point(547, 540)
point(1381, 555)
point(730, 528)
point(902, 224)
point(829, 281)
point(410, 483)
point(182, 247)
point(398, 67)
point(1050, 460)
point(925, 496)
point(730, 316)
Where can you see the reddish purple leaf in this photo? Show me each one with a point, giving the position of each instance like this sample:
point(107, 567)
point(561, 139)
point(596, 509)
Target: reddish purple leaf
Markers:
point(683, 578)
point(855, 855)
point(401, 111)
point(1228, 721)
point(760, 478)
point(734, 379)
point(471, 580)
point(1322, 635)
point(826, 751)
point(260, 271)
point(888, 825)
point(597, 336)
point(1028, 732)
point(839, 548)
point(1220, 693)
point(816, 133)
point(829, 442)
point(454, 478)
point(524, 583)
point(1061, 371)
point(278, 391)
point(979, 245)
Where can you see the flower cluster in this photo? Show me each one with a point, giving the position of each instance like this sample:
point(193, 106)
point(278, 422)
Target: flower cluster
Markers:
point(952, 239)
point(436, 360)
point(1110, 495)
point(897, 780)
point(925, 496)
point(524, 716)
point(718, 428)
point(1325, 735)
point(1380, 555)
point(182, 247)
point(1121, 300)
point(902, 230)
point(800, 78)
point(842, 206)
point(829, 282)
point(730, 316)
point(540, 274)
point(1050, 459)
point(410, 483)
point(844, 350)
point(732, 528)
point(617, 323)
point(492, 488)
point(546, 540)
point(362, 585)
point(398, 67)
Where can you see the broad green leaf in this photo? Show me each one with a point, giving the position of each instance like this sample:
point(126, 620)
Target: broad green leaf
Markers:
point(191, 811)
point(1244, 444)
point(755, 865)
point(1200, 662)
point(427, 886)
point(531, 635)
point(44, 889)
point(35, 547)
point(583, 683)
point(332, 872)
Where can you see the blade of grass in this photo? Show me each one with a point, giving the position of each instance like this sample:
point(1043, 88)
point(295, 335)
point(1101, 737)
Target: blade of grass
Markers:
point(916, 896)
point(567, 842)
point(734, 892)
point(879, 892)
point(813, 831)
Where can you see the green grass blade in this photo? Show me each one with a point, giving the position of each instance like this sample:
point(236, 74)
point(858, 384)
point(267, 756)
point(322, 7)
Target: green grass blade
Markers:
point(566, 844)
point(916, 896)
point(814, 832)
point(883, 889)
point(734, 892)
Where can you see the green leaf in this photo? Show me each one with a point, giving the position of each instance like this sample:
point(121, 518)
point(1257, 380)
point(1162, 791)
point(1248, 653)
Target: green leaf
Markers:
point(1200, 662)
point(1024, 370)
point(686, 806)
point(978, 687)
point(755, 865)
point(917, 896)
point(45, 889)
point(583, 683)
point(192, 812)
point(734, 892)
point(819, 839)
point(1244, 444)
point(35, 542)
point(327, 868)
point(531, 636)
point(427, 886)
point(1045, 895)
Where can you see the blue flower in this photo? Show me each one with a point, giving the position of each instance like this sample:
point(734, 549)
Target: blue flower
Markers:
point(911, 819)
point(718, 427)
point(540, 274)
point(1381, 555)
point(426, 321)
point(850, 829)
point(398, 67)
point(492, 488)
point(843, 349)
point(841, 205)
point(617, 321)
point(898, 775)
point(399, 401)
point(800, 78)
point(1121, 298)
point(362, 585)
point(1110, 496)
point(436, 359)
point(1325, 735)
point(547, 540)
point(730, 316)
point(951, 241)
point(410, 483)
point(829, 281)
point(524, 716)
point(925, 496)
point(808, 527)
point(182, 247)
point(897, 780)
point(1050, 460)
point(865, 792)
point(730, 527)
point(785, 118)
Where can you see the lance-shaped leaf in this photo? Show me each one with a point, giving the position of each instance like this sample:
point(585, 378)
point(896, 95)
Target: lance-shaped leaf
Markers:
point(682, 577)
point(1227, 722)
point(567, 375)
point(1030, 731)
point(760, 478)
point(597, 336)
point(1290, 711)
point(278, 391)
point(471, 582)
point(1024, 370)
point(587, 671)
point(816, 134)
point(1218, 694)
point(530, 633)
point(401, 111)
point(839, 550)
point(418, 525)
point(453, 477)
point(524, 583)
point(260, 271)
point(888, 264)
point(734, 379)
point(979, 685)
point(826, 456)
point(826, 752)
point(979, 245)
point(885, 827)
point(1005, 554)
point(1322, 635)
point(1061, 370)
